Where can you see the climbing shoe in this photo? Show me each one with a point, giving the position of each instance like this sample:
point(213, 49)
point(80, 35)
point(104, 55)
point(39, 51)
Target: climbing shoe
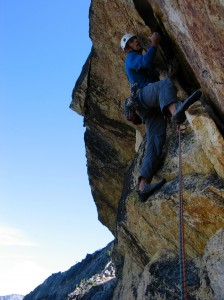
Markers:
point(149, 189)
point(181, 107)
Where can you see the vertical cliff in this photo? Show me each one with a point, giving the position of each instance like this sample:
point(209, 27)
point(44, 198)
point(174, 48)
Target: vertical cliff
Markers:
point(146, 248)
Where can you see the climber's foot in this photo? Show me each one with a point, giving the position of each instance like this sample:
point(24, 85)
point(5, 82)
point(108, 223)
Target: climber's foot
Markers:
point(149, 189)
point(181, 107)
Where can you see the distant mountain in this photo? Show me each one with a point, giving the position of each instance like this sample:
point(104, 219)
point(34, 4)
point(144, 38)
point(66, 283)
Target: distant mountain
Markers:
point(12, 297)
point(94, 274)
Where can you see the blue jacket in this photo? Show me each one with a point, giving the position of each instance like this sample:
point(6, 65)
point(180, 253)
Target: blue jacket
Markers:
point(139, 68)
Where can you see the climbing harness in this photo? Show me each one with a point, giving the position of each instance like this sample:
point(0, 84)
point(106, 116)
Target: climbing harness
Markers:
point(183, 275)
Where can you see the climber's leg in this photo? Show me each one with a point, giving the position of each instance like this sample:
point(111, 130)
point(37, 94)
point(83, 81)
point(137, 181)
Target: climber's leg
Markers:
point(163, 94)
point(155, 139)
point(159, 94)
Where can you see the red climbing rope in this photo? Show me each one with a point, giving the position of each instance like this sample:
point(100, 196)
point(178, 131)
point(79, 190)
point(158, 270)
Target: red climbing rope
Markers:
point(183, 273)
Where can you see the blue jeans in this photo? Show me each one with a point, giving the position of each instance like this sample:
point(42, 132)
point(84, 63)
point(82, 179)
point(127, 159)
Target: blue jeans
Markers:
point(153, 100)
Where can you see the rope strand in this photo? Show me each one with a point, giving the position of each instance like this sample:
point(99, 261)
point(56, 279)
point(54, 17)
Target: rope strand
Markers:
point(183, 276)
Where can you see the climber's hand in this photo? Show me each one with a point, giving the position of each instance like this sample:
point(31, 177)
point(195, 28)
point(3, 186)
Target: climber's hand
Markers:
point(155, 38)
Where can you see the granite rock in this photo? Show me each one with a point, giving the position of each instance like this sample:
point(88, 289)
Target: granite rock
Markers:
point(146, 250)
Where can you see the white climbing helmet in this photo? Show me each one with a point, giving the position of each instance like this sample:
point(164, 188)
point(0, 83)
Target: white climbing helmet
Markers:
point(125, 39)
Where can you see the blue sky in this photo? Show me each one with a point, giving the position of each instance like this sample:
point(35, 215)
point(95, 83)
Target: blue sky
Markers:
point(48, 219)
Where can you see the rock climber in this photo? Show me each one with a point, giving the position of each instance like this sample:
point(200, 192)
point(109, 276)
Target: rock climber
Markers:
point(155, 99)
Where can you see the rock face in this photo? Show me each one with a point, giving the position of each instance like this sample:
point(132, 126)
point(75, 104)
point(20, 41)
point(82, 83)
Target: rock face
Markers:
point(214, 262)
point(147, 248)
point(100, 286)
